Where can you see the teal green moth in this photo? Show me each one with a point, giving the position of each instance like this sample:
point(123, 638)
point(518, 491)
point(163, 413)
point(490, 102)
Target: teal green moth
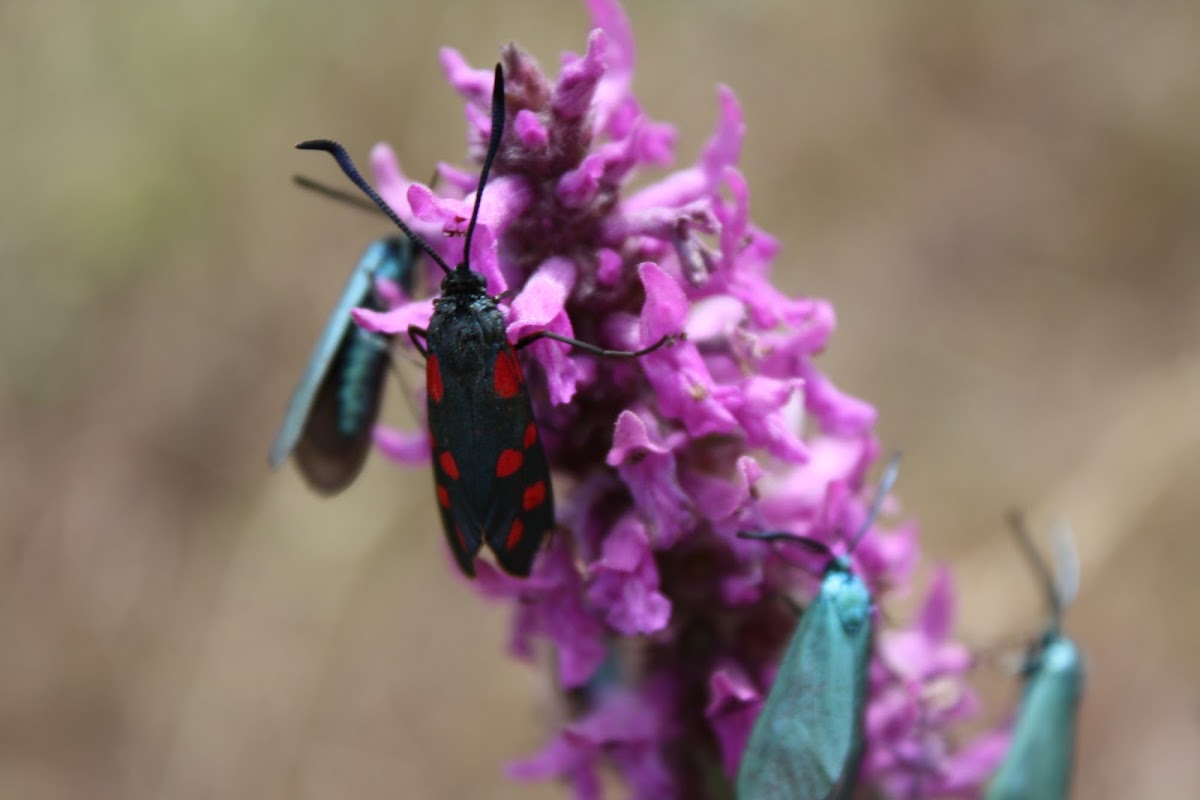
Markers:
point(1040, 759)
point(807, 741)
point(329, 421)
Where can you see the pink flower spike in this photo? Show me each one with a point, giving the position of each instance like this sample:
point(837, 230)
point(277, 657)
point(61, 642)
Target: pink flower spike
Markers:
point(665, 629)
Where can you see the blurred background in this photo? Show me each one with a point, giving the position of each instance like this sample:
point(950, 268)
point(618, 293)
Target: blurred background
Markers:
point(1002, 200)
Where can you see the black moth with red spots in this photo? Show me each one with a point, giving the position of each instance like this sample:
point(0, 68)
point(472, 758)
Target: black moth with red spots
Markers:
point(489, 469)
point(490, 473)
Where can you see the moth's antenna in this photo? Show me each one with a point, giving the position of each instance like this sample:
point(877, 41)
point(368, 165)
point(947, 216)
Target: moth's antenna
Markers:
point(347, 164)
point(886, 481)
point(1017, 522)
point(493, 147)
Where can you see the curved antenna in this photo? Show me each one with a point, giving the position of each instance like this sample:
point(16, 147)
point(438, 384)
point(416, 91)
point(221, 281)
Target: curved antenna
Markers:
point(347, 164)
point(305, 182)
point(1017, 522)
point(886, 481)
point(814, 545)
point(493, 147)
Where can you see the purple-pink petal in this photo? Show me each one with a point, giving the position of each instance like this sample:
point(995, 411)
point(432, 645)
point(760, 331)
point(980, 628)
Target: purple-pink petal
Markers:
point(529, 128)
point(475, 85)
point(625, 582)
point(396, 321)
point(666, 306)
point(577, 81)
point(733, 706)
point(403, 447)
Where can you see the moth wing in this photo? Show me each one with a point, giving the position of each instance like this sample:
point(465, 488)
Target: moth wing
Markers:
point(328, 457)
point(488, 428)
point(1040, 758)
point(332, 339)
point(523, 507)
point(391, 258)
point(807, 741)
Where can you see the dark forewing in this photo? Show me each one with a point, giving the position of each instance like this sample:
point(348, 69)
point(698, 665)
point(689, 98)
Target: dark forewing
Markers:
point(333, 409)
point(490, 471)
point(328, 457)
point(320, 363)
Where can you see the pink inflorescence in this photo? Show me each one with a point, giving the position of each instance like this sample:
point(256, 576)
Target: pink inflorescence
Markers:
point(666, 628)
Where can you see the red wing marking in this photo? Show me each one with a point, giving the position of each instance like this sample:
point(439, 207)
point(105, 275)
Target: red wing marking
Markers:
point(514, 534)
point(509, 462)
point(535, 495)
point(530, 435)
point(443, 496)
point(433, 379)
point(506, 377)
point(462, 540)
point(446, 459)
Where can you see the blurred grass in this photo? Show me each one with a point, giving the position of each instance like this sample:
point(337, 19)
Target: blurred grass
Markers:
point(1001, 199)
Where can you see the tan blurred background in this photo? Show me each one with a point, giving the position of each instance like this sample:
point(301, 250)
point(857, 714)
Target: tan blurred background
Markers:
point(1002, 199)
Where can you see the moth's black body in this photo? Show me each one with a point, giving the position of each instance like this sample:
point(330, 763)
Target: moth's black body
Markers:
point(475, 423)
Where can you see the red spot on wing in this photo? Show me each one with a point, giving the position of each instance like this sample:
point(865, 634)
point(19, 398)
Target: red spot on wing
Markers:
point(443, 496)
point(433, 379)
point(506, 376)
point(535, 495)
point(514, 534)
point(462, 540)
point(509, 462)
point(449, 466)
point(530, 435)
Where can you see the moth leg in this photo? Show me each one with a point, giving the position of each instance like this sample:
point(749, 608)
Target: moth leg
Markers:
point(413, 333)
point(525, 341)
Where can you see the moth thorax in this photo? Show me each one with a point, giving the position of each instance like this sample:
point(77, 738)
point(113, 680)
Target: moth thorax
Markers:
point(459, 282)
point(1060, 655)
point(850, 598)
